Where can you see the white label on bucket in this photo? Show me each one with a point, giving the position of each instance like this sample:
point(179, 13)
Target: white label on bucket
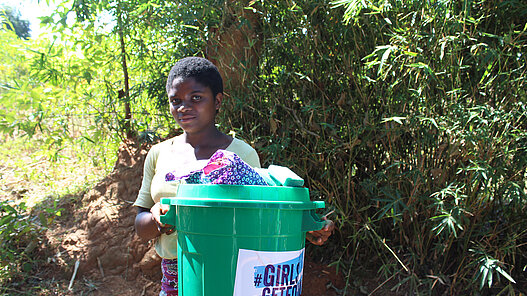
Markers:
point(269, 273)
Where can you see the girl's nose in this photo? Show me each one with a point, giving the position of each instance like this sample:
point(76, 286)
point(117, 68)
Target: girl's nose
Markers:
point(184, 106)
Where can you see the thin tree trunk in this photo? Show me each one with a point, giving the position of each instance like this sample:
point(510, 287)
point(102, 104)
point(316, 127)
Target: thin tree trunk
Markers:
point(126, 95)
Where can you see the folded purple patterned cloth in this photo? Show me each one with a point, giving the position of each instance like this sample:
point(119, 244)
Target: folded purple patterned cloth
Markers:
point(224, 167)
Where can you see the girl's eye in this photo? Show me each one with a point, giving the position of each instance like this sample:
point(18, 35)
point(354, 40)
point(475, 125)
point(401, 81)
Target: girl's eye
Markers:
point(175, 101)
point(196, 98)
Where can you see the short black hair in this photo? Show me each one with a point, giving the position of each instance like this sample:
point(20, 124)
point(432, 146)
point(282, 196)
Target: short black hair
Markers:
point(202, 70)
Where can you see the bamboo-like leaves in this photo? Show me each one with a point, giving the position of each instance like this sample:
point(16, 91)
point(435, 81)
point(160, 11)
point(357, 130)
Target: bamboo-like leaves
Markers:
point(353, 8)
point(380, 56)
point(487, 267)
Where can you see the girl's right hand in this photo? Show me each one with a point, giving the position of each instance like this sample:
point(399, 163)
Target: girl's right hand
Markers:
point(157, 210)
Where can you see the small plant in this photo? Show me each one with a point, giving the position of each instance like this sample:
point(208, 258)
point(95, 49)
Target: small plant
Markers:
point(489, 269)
point(19, 235)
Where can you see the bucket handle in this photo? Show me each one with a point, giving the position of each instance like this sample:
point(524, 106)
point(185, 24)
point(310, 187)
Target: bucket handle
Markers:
point(170, 216)
point(312, 221)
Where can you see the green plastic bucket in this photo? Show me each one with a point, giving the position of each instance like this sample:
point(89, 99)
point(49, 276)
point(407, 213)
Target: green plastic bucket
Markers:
point(241, 240)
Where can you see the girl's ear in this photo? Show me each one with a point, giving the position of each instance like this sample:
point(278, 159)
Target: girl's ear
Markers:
point(217, 101)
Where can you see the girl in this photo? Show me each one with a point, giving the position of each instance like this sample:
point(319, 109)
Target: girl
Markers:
point(195, 92)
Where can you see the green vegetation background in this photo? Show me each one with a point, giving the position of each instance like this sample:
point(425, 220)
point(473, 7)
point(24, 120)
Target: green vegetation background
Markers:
point(409, 118)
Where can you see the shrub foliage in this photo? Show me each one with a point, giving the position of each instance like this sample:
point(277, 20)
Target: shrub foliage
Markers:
point(410, 120)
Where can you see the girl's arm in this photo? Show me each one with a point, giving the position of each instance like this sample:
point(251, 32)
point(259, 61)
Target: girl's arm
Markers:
point(147, 224)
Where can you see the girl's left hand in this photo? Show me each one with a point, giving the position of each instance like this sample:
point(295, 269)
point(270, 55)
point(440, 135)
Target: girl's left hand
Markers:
point(319, 237)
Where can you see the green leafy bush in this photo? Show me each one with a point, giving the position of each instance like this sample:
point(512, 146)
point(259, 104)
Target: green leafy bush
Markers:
point(410, 120)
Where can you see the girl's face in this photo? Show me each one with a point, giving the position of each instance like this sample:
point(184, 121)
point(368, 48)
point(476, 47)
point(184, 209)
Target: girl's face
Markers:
point(193, 105)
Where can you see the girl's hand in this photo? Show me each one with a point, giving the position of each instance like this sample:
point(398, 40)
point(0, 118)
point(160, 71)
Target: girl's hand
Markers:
point(157, 210)
point(319, 237)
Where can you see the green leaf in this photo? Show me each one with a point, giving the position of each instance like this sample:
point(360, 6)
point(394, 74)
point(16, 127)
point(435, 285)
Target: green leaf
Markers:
point(27, 267)
point(190, 27)
point(387, 51)
point(505, 274)
point(398, 119)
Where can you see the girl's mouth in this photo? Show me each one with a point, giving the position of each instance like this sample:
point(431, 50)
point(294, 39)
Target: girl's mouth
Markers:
point(186, 118)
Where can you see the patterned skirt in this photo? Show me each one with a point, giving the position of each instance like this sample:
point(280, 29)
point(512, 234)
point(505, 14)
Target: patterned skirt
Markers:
point(169, 281)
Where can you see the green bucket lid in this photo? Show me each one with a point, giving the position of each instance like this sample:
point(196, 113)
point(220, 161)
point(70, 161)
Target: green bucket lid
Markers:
point(243, 196)
point(243, 192)
point(253, 204)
